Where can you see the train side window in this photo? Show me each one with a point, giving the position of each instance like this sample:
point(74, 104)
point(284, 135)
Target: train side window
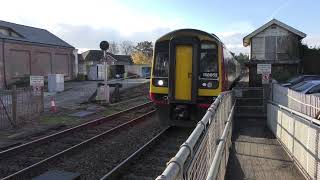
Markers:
point(208, 60)
point(161, 67)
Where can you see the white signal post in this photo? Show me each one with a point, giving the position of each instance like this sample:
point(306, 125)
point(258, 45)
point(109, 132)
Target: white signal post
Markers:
point(107, 89)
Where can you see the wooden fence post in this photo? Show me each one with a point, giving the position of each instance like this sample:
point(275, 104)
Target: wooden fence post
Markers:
point(14, 104)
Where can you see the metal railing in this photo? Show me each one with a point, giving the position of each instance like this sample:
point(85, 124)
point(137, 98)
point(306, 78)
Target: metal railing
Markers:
point(299, 135)
point(304, 103)
point(18, 105)
point(205, 153)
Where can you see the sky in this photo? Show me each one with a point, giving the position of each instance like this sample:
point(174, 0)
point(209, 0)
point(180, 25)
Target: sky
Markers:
point(84, 23)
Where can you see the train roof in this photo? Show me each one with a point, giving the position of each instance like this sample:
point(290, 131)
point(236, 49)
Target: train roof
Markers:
point(189, 31)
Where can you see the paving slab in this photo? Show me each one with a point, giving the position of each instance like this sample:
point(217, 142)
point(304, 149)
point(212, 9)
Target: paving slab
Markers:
point(256, 154)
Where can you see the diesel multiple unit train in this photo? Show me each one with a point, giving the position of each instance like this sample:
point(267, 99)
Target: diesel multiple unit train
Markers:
point(189, 69)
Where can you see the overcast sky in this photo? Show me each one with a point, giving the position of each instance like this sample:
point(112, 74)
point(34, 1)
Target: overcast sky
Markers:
point(84, 23)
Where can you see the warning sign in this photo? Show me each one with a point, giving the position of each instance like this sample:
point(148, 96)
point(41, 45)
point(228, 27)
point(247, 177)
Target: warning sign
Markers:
point(263, 68)
point(36, 90)
point(265, 78)
point(36, 81)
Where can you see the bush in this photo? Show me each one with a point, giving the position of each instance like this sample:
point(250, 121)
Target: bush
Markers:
point(81, 77)
point(21, 82)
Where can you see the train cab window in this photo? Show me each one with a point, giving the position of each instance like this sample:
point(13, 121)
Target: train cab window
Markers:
point(209, 67)
point(208, 61)
point(161, 66)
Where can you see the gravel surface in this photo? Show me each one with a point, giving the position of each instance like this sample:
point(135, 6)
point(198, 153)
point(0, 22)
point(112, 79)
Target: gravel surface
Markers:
point(97, 159)
point(28, 157)
point(153, 162)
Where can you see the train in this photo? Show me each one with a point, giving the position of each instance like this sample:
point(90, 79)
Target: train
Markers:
point(190, 68)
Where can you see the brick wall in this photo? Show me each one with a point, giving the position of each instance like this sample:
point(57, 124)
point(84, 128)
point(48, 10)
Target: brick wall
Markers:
point(24, 59)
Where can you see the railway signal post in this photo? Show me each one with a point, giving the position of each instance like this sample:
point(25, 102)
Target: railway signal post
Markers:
point(103, 92)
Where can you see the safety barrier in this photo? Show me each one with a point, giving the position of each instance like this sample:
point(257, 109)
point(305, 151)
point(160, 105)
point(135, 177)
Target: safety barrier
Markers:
point(18, 106)
point(299, 135)
point(304, 103)
point(205, 153)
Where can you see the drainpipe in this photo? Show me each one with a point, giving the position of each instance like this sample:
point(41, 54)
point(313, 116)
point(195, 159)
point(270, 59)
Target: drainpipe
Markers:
point(4, 64)
point(75, 53)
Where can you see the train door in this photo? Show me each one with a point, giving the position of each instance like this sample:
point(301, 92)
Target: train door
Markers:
point(183, 69)
point(183, 73)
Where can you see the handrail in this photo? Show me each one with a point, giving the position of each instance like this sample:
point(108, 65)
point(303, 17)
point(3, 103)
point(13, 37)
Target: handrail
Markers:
point(174, 167)
point(316, 121)
point(214, 168)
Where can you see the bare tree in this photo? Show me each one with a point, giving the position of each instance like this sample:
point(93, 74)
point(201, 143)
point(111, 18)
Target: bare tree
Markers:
point(126, 47)
point(113, 48)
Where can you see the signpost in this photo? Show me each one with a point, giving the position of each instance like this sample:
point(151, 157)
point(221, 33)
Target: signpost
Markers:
point(103, 92)
point(37, 82)
point(265, 71)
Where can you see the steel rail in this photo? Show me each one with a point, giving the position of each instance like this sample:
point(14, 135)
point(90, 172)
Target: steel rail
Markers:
point(79, 145)
point(67, 131)
point(117, 170)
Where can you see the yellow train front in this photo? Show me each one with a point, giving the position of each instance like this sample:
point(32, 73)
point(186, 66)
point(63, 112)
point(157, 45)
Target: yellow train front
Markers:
point(190, 69)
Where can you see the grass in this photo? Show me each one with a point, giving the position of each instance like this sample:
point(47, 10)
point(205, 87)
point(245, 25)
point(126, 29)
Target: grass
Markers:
point(57, 119)
point(109, 111)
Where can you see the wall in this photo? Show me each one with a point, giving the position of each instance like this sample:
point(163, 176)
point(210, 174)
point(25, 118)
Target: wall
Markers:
point(311, 61)
point(24, 59)
point(280, 72)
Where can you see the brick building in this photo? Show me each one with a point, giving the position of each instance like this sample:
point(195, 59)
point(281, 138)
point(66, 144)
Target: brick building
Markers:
point(26, 50)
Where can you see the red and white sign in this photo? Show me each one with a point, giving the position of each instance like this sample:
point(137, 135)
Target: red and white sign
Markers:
point(36, 90)
point(265, 78)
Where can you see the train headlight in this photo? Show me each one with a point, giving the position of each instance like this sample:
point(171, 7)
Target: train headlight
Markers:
point(160, 82)
point(209, 84)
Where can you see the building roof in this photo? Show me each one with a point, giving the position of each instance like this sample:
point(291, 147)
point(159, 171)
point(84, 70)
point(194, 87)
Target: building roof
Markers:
point(32, 35)
point(247, 39)
point(96, 55)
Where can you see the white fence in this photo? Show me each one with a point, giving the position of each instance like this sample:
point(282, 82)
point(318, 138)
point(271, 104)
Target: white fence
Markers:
point(299, 135)
point(205, 153)
point(306, 104)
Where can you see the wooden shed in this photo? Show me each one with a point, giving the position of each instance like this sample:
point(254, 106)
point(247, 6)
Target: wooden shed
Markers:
point(277, 44)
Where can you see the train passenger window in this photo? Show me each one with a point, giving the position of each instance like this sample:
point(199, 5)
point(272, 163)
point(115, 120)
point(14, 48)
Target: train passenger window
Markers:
point(161, 66)
point(208, 61)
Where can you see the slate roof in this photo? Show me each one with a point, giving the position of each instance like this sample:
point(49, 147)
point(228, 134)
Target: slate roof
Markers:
point(96, 55)
point(32, 35)
point(247, 39)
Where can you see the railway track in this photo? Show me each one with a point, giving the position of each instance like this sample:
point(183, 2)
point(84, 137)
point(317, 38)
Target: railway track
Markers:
point(150, 160)
point(21, 160)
